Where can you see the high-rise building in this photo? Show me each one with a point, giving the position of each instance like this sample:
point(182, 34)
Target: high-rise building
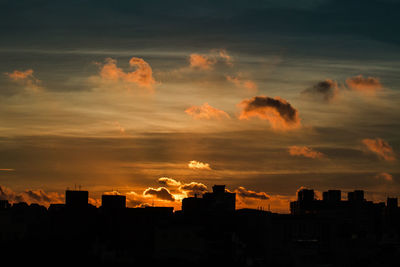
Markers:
point(76, 199)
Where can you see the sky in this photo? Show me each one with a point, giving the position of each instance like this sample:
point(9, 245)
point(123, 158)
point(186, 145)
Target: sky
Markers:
point(159, 100)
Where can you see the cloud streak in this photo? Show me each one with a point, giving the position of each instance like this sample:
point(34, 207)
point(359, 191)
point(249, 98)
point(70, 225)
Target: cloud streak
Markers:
point(245, 193)
point(305, 152)
point(240, 82)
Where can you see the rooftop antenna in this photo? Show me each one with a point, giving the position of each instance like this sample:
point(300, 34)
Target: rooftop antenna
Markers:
point(79, 187)
point(269, 207)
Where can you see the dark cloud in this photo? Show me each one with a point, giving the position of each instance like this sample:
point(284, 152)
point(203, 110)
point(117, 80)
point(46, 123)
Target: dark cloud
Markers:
point(161, 193)
point(327, 90)
point(193, 188)
point(277, 111)
point(245, 193)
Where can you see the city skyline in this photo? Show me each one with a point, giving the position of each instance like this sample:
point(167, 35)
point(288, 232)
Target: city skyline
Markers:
point(160, 101)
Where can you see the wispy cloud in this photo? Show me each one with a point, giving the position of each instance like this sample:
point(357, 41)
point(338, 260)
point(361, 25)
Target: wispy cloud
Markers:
point(206, 112)
point(26, 79)
point(207, 61)
point(241, 82)
point(326, 90)
point(305, 152)
point(384, 176)
point(381, 148)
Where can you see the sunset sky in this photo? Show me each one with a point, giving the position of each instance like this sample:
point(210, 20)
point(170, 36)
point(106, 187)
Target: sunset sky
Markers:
point(161, 99)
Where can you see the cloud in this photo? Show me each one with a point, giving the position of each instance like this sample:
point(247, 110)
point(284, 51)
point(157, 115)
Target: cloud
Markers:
point(327, 90)
point(113, 193)
point(168, 181)
point(193, 164)
point(206, 112)
point(277, 111)
point(185, 189)
point(202, 62)
point(245, 193)
point(384, 176)
point(225, 56)
point(381, 148)
point(141, 76)
point(161, 193)
point(305, 152)
point(136, 200)
point(7, 170)
point(207, 61)
point(25, 78)
point(240, 82)
point(31, 196)
point(193, 188)
point(367, 86)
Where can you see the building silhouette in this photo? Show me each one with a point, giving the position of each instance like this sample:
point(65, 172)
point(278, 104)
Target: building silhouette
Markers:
point(207, 231)
point(113, 202)
point(219, 200)
point(76, 199)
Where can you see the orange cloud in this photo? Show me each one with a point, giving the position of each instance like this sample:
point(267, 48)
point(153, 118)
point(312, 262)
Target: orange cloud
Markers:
point(242, 83)
point(277, 111)
point(368, 85)
point(207, 61)
point(381, 148)
point(25, 78)
point(161, 193)
point(31, 196)
point(305, 152)
point(203, 62)
point(199, 165)
point(141, 76)
point(207, 112)
point(384, 176)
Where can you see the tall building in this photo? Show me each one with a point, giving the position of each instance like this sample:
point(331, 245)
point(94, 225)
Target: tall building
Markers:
point(76, 199)
point(219, 200)
point(113, 202)
point(332, 196)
